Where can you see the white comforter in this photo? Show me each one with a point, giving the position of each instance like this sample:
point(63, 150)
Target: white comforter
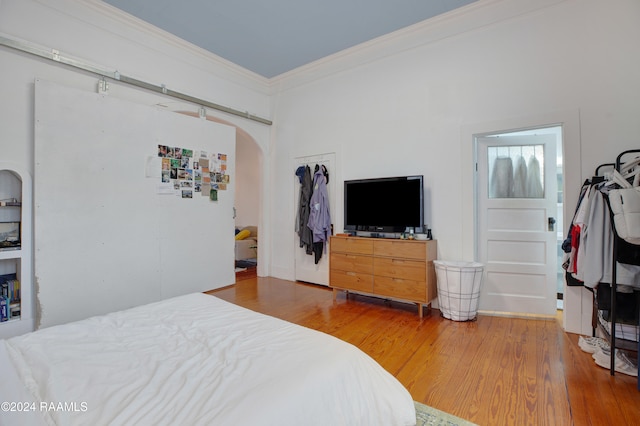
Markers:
point(195, 360)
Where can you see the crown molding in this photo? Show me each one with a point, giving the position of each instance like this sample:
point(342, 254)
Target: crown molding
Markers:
point(468, 18)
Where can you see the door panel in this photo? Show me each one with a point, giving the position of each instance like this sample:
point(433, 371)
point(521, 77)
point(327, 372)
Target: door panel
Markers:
point(517, 285)
point(515, 219)
point(516, 196)
point(523, 252)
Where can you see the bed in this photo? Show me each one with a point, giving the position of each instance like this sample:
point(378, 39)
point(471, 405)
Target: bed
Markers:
point(194, 360)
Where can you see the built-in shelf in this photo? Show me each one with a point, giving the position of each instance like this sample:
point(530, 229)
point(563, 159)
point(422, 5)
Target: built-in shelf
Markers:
point(11, 254)
point(16, 207)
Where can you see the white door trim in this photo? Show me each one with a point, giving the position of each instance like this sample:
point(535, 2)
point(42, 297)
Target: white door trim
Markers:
point(577, 306)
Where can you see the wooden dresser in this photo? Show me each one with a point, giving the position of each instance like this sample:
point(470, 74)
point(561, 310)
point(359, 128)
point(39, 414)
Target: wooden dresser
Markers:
point(389, 268)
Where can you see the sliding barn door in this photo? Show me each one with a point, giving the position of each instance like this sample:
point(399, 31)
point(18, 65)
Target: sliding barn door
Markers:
point(109, 233)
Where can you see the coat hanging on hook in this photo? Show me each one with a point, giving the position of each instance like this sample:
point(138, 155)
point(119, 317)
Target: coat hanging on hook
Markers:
point(302, 215)
point(319, 217)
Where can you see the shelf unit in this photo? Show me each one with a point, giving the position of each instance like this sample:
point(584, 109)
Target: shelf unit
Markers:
point(16, 184)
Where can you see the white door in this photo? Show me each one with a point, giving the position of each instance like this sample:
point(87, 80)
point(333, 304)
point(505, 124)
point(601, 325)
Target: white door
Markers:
point(305, 267)
point(516, 231)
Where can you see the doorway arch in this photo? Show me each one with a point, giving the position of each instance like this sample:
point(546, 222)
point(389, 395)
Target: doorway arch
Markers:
point(249, 190)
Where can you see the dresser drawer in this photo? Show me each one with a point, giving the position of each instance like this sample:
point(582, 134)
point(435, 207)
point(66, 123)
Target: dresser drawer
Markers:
point(400, 268)
point(401, 288)
point(352, 245)
point(351, 263)
point(351, 281)
point(400, 248)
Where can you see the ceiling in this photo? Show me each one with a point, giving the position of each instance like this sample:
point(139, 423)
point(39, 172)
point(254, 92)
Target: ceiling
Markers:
point(271, 37)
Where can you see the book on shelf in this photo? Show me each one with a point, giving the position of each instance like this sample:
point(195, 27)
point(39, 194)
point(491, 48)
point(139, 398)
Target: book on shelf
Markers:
point(9, 297)
point(11, 290)
point(4, 309)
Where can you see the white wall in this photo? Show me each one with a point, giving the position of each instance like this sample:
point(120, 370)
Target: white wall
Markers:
point(401, 105)
point(396, 105)
point(91, 31)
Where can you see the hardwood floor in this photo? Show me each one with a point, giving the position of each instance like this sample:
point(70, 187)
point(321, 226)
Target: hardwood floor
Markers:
point(246, 273)
point(494, 371)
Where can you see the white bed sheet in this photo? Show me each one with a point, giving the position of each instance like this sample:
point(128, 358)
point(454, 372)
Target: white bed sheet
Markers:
point(198, 360)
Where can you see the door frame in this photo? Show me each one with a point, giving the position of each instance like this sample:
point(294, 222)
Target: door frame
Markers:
point(577, 301)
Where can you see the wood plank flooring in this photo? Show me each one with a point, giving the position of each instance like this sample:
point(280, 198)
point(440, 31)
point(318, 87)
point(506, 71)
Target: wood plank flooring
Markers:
point(494, 371)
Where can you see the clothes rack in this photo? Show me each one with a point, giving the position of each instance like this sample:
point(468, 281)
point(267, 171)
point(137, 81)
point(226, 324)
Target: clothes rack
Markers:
point(601, 261)
point(614, 284)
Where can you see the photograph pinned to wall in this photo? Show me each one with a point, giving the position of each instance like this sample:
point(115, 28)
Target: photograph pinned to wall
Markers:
point(213, 194)
point(226, 178)
point(222, 186)
point(166, 176)
point(165, 189)
point(204, 163)
point(182, 174)
point(166, 163)
point(175, 163)
point(186, 184)
point(197, 187)
point(177, 153)
point(187, 152)
point(162, 150)
point(214, 164)
point(197, 175)
point(206, 176)
point(171, 151)
point(185, 162)
point(205, 189)
point(173, 173)
point(187, 193)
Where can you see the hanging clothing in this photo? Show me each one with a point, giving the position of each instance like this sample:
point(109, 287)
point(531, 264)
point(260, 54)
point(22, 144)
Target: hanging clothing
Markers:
point(302, 217)
point(534, 182)
point(520, 178)
point(501, 185)
point(300, 171)
point(590, 260)
point(319, 217)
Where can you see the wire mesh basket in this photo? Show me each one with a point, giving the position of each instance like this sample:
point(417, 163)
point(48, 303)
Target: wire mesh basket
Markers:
point(458, 289)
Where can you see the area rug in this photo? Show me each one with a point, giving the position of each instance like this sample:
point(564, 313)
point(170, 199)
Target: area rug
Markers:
point(428, 416)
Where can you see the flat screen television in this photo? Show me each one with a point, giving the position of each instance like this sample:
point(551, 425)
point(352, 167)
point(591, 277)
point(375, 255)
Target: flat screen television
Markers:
point(384, 204)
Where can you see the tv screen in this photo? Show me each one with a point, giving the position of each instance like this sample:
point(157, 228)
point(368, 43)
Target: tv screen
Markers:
point(384, 204)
